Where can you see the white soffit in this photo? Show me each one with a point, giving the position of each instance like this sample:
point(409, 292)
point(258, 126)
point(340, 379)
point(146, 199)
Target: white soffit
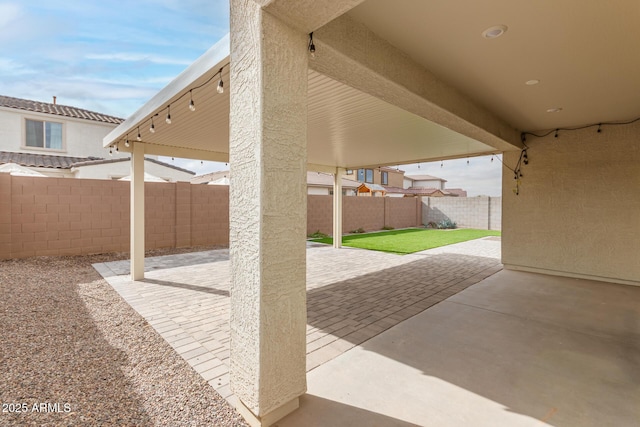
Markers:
point(346, 128)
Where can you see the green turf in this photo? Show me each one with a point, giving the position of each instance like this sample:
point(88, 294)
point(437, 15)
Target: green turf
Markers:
point(410, 240)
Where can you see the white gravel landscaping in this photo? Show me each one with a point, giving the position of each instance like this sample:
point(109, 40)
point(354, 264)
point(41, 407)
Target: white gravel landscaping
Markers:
point(72, 352)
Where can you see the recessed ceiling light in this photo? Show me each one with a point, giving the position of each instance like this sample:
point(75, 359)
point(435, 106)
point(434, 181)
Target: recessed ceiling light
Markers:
point(532, 82)
point(494, 32)
point(554, 110)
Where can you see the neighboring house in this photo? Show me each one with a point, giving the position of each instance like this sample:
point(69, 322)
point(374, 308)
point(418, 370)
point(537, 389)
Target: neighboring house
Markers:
point(66, 142)
point(427, 185)
point(318, 183)
point(423, 181)
point(385, 176)
point(371, 190)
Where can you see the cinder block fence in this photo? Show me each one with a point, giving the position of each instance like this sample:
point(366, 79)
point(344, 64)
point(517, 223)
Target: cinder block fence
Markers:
point(57, 216)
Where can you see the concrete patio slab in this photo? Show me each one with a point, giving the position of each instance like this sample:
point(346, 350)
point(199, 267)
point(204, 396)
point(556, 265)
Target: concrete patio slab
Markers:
point(352, 296)
point(517, 349)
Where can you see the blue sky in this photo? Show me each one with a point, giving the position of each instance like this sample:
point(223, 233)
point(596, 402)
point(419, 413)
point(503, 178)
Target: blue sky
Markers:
point(112, 56)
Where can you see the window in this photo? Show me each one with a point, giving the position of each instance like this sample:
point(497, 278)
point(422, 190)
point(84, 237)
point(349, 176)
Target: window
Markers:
point(361, 175)
point(369, 176)
point(385, 178)
point(43, 134)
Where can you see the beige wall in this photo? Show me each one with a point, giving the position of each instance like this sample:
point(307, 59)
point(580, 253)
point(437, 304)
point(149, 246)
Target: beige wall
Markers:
point(57, 216)
point(369, 213)
point(578, 209)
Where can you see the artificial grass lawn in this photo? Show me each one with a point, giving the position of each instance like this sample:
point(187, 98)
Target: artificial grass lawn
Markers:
point(411, 240)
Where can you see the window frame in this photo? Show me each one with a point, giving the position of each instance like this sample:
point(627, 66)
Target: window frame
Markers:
point(384, 177)
point(366, 175)
point(44, 121)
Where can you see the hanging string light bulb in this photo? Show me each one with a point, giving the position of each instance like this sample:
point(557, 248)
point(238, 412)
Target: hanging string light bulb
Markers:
point(111, 150)
point(220, 87)
point(492, 158)
point(311, 47)
point(152, 128)
point(168, 119)
point(441, 163)
point(192, 106)
point(139, 137)
point(126, 142)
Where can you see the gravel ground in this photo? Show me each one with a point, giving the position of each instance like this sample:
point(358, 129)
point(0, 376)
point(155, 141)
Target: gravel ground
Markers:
point(72, 352)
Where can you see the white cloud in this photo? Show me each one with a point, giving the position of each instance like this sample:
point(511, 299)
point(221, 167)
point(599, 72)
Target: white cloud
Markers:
point(138, 57)
point(9, 13)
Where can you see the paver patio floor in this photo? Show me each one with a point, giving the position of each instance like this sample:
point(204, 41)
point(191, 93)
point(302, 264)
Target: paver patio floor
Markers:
point(352, 296)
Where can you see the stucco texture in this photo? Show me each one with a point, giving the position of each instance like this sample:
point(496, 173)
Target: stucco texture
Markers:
point(577, 212)
point(267, 208)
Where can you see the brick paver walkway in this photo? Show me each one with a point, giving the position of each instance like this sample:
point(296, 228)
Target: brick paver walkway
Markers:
point(352, 295)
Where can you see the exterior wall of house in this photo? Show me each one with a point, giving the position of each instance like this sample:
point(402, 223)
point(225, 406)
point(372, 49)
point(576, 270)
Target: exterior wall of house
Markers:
point(468, 212)
point(395, 177)
point(82, 138)
point(317, 191)
point(577, 211)
point(407, 183)
point(121, 169)
point(429, 183)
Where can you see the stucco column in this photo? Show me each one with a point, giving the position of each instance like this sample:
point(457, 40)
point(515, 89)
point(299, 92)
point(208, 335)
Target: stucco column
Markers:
point(337, 208)
point(267, 206)
point(137, 211)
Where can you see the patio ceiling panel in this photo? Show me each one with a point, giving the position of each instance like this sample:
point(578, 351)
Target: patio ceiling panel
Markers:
point(347, 127)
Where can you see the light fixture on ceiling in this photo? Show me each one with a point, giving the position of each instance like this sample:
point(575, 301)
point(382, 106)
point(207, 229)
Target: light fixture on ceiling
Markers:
point(532, 82)
point(554, 110)
point(494, 32)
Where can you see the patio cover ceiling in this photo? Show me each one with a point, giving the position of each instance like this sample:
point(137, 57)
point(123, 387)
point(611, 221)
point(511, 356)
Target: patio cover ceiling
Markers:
point(346, 127)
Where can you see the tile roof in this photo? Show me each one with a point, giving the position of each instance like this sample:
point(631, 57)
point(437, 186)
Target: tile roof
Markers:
point(424, 178)
point(97, 161)
point(42, 160)
point(57, 109)
point(65, 162)
point(320, 179)
point(419, 191)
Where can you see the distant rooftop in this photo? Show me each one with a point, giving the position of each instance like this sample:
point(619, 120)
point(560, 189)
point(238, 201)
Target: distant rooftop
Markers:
point(57, 109)
point(424, 178)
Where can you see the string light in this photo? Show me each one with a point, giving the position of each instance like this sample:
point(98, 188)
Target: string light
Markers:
point(441, 163)
point(598, 130)
point(220, 87)
point(492, 158)
point(111, 150)
point(152, 129)
point(311, 47)
point(467, 160)
point(192, 106)
point(126, 142)
point(117, 148)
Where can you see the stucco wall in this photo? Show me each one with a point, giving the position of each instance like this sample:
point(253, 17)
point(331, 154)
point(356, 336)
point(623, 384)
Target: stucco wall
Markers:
point(82, 138)
point(469, 212)
point(577, 212)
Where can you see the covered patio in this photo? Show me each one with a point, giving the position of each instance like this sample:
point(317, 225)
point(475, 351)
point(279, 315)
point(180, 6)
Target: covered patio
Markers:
point(330, 85)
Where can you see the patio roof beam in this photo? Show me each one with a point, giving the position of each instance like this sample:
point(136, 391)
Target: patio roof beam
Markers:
point(308, 15)
point(349, 52)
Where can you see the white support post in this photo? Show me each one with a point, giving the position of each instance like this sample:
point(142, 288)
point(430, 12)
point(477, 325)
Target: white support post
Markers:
point(137, 211)
point(337, 208)
point(268, 213)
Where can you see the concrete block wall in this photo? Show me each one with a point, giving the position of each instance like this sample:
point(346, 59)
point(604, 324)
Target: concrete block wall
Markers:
point(320, 214)
point(369, 213)
point(58, 216)
point(209, 215)
point(483, 213)
point(362, 212)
